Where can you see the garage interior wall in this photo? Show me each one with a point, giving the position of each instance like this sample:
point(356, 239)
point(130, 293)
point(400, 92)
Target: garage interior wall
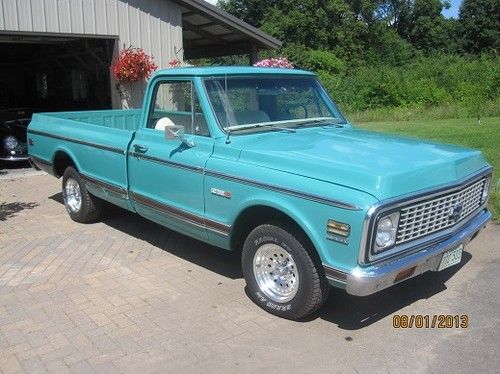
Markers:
point(154, 25)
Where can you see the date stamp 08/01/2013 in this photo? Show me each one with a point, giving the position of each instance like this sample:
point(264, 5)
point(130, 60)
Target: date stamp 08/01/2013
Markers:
point(427, 321)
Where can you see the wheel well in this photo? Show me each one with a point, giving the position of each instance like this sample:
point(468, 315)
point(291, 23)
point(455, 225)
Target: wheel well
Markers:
point(254, 216)
point(61, 161)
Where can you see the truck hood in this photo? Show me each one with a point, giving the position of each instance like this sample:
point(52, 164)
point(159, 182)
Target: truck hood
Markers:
point(380, 164)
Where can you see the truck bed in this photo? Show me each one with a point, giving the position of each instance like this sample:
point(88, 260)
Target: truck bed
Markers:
point(97, 141)
point(127, 119)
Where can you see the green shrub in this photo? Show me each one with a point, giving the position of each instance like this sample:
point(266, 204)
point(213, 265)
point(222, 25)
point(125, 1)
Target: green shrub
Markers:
point(310, 59)
point(467, 85)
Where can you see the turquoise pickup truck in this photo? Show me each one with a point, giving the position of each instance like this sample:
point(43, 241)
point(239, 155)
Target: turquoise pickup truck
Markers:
point(261, 161)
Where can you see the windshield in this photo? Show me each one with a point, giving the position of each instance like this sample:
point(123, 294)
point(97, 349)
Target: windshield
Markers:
point(244, 103)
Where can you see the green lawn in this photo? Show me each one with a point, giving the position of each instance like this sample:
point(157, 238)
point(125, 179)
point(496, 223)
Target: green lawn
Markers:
point(463, 131)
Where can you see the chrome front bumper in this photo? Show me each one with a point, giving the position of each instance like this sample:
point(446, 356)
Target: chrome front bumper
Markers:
point(362, 281)
point(14, 158)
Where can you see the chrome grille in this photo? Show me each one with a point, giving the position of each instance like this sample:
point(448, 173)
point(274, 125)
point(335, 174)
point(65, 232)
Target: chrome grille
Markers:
point(440, 213)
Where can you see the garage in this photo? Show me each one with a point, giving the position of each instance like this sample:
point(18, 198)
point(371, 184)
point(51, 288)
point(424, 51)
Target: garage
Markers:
point(56, 55)
point(50, 73)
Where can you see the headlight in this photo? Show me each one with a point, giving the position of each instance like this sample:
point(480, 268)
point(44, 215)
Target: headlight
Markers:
point(486, 190)
point(385, 236)
point(10, 142)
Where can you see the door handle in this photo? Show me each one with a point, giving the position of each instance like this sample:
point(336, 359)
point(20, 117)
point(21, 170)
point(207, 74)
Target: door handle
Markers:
point(140, 148)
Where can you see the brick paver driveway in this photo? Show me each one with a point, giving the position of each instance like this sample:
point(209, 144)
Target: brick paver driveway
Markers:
point(126, 295)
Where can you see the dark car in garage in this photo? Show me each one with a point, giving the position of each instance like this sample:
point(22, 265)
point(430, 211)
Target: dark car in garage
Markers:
point(13, 124)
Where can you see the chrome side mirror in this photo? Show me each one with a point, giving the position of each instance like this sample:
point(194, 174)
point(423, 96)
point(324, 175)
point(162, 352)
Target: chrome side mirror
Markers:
point(174, 132)
point(177, 132)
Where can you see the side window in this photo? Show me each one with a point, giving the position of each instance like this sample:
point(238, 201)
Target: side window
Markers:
point(176, 103)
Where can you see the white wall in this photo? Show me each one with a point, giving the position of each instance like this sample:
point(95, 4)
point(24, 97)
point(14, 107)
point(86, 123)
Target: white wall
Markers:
point(155, 25)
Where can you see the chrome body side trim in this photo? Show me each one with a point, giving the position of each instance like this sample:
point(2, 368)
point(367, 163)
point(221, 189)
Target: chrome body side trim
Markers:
point(77, 141)
point(362, 281)
point(335, 274)
point(109, 187)
point(199, 221)
point(302, 195)
point(166, 162)
point(41, 164)
point(395, 203)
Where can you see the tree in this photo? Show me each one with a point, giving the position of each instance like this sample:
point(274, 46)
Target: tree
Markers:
point(480, 25)
point(251, 11)
point(420, 22)
point(316, 24)
point(385, 31)
point(386, 47)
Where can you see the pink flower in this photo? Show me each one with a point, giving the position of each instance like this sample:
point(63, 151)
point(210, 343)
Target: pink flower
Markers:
point(280, 62)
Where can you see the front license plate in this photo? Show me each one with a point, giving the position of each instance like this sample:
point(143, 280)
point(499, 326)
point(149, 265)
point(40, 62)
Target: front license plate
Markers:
point(451, 258)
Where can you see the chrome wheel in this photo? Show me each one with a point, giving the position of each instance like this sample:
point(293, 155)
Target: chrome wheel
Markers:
point(276, 273)
point(72, 195)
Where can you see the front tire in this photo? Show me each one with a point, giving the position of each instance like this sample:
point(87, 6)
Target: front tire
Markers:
point(82, 207)
point(283, 275)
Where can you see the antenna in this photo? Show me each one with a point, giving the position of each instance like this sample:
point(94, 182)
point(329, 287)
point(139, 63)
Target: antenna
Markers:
point(226, 99)
point(226, 110)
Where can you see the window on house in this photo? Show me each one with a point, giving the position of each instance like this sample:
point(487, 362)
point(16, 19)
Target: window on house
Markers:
point(79, 85)
point(42, 87)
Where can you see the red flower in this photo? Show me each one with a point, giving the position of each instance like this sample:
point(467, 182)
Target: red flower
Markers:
point(133, 65)
point(175, 63)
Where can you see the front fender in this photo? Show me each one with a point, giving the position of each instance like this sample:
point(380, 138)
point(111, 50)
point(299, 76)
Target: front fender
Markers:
point(310, 216)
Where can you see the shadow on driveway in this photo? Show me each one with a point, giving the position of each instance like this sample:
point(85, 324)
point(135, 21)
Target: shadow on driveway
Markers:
point(347, 311)
point(353, 312)
point(8, 210)
point(225, 263)
point(6, 166)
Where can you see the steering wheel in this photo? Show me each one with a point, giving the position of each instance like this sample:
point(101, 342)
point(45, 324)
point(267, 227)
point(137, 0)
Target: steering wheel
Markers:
point(288, 108)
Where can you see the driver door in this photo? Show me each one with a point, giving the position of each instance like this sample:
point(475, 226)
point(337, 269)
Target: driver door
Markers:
point(166, 175)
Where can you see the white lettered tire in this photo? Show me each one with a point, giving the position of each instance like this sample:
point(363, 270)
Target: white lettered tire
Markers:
point(283, 275)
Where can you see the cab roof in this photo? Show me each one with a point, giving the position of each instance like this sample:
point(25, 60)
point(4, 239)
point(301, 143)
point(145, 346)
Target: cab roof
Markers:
point(229, 70)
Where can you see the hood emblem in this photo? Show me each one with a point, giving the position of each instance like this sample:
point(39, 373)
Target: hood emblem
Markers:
point(454, 212)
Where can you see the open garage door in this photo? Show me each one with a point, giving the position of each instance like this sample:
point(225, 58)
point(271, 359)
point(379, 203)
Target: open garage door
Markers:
point(52, 73)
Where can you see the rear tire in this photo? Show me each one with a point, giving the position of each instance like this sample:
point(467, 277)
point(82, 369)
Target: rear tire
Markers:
point(283, 275)
point(82, 207)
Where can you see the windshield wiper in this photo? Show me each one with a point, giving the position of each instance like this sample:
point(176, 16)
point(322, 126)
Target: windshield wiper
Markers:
point(282, 128)
point(325, 122)
point(254, 126)
point(258, 126)
point(276, 124)
point(338, 122)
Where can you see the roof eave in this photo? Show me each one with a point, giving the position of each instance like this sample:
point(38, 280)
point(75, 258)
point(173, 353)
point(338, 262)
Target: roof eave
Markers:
point(212, 11)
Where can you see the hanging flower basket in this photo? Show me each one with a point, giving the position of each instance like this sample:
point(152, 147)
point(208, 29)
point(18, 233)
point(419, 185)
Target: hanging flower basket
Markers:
point(133, 65)
point(280, 62)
